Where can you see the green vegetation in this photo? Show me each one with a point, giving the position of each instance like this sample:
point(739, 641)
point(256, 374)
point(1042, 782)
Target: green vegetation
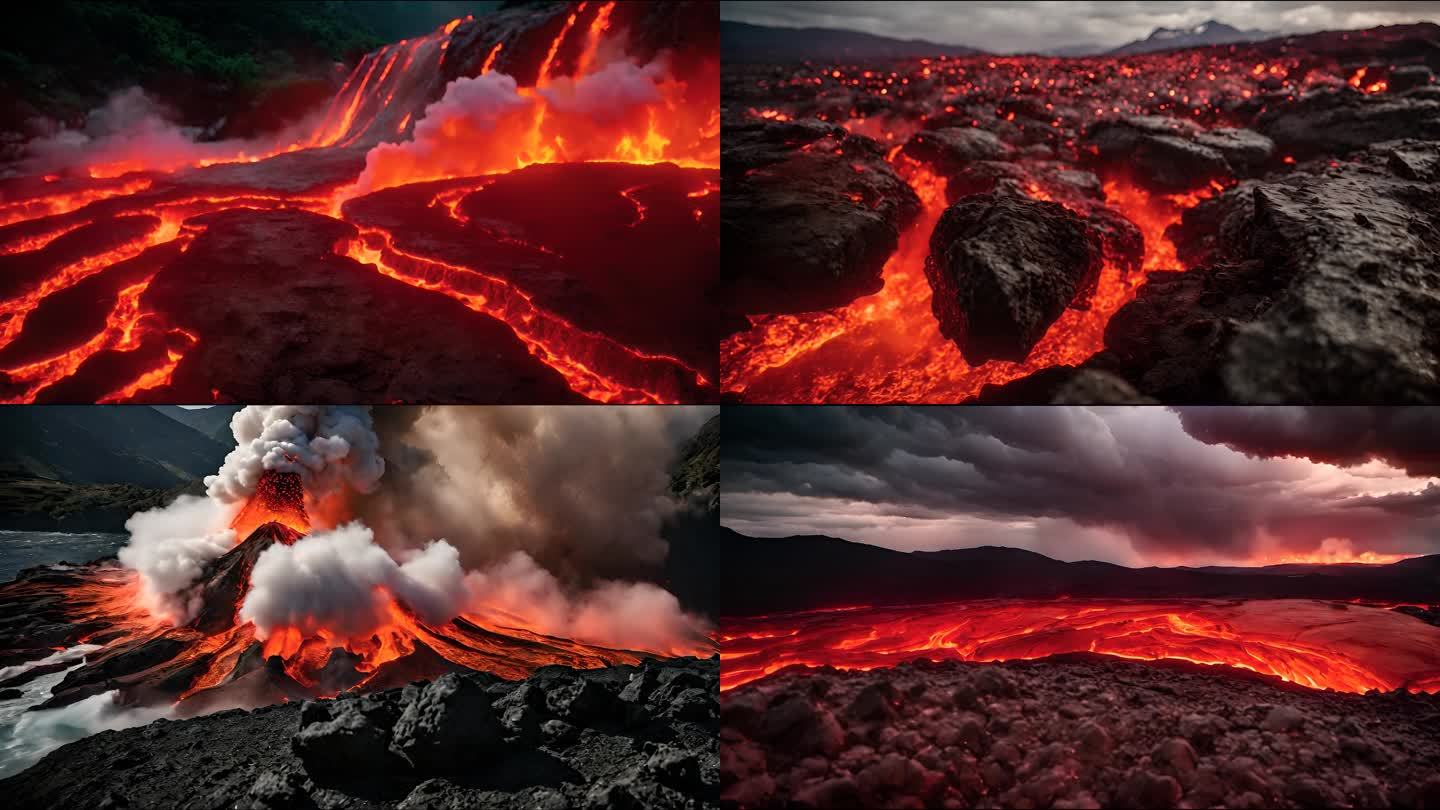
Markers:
point(37, 504)
point(63, 58)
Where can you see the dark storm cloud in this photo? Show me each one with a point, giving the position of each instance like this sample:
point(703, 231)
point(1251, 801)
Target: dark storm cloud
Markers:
point(1132, 472)
point(999, 26)
point(1405, 438)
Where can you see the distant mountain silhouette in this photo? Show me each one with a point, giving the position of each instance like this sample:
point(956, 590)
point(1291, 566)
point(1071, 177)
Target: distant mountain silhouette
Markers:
point(117, 444)
point(214, 421)
point(744, 42)
point(1210, 32)
point(767, 575)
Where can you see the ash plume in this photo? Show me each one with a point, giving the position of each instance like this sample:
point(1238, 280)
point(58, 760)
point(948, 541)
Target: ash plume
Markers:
point(582, 490)
point(632, 615)
point(333, 449)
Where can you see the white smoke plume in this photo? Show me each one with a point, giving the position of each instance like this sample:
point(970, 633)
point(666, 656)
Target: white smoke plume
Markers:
point(341, 581)
point(170, 547)
point(332, 447)
point(607, 93)
point(451, 136)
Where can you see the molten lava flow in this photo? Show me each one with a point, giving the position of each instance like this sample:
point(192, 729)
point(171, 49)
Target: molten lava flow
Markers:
point(385, 96)
point(279, 497)
point(887, 347)
point(588, 361)
point(1315, 644)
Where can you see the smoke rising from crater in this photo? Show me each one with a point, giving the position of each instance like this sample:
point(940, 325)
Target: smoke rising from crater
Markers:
point(332, 447)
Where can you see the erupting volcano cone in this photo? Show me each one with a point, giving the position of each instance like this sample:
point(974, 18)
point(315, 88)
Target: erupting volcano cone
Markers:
point(279, 498)
point(228, 579)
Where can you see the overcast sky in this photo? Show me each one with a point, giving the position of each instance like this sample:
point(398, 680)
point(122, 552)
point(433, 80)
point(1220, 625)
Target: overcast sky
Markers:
point(1136, 485)
point(999, 27)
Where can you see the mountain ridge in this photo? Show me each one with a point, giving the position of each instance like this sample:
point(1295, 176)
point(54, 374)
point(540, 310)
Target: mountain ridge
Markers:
point(747, 42)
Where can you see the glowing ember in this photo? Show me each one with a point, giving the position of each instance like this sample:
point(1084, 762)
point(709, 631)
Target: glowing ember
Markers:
point(1315, 644)
point(279, 498)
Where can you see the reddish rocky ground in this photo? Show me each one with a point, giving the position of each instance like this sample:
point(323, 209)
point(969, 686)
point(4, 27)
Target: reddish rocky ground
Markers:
point(1077, 730)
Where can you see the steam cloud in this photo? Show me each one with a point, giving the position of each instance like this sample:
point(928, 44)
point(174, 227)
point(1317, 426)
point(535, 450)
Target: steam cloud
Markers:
point(342, 581)
point(332, 447)
point(477, 124)
point(133, 130)
point(170, 547)
point(334, 579)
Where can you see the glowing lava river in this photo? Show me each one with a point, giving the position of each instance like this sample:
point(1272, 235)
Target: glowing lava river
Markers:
point(520, 207)
point(1322, 645)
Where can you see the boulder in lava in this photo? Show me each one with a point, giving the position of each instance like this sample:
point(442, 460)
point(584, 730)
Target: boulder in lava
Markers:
point(1173, 155)
point(1331, 122)
point(808, 220)
point(1003, 267)
point(1323, 287)
point(950, 149)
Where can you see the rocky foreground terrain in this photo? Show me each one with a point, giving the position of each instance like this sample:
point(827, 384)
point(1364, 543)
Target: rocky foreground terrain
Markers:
point(1253, 223)
point(624, 736)
point(1072, 731)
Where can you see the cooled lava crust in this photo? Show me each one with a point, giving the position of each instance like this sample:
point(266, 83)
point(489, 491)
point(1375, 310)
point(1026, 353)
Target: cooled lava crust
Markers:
point(1072, 731)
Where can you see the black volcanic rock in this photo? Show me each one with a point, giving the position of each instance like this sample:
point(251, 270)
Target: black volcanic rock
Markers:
point(949, 149)
point(1175, 155)
point(338, 753)
point(448, 724)
point(809, 216)
point(1336, 122)
point(1322, 287)
point(1003, 267)
point(262, 686)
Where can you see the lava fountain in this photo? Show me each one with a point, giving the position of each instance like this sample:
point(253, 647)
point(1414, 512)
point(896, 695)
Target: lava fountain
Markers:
point(279, 498)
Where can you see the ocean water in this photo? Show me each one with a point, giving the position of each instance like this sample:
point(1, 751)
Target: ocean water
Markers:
point(20, 550)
